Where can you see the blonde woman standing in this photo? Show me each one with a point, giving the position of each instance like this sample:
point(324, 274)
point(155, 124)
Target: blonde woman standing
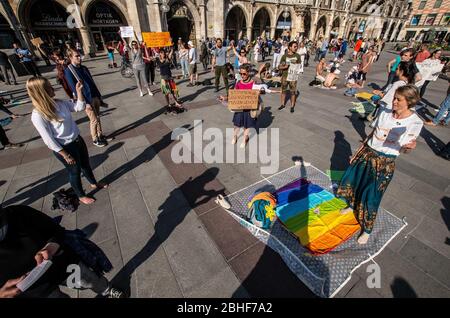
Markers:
point(53, 120)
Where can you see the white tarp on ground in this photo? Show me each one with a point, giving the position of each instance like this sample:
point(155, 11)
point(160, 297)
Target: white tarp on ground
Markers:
point(324, 274)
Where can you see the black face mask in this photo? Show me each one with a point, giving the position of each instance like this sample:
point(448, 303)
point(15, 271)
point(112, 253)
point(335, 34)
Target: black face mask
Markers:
point(3, 225)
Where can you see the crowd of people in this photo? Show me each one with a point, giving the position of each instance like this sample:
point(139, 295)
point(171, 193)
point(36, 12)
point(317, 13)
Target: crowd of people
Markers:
point(395, 123)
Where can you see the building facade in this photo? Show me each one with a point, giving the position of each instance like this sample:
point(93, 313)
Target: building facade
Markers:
point(99, 20)
point(429, 21)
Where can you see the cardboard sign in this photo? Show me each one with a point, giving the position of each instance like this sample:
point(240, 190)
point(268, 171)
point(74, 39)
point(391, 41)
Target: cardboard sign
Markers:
point(156, 39)
point(127, 31)
point(37, 41)
point(240, 99)
point(294, 72)
point(429, 70)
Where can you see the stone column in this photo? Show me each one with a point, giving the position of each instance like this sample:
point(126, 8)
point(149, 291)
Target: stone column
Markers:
point(204, 24)
point(218, 18)
point(388, 30)
point(342, 26)
point(249, 33)
point(134, 16)
point(87, 41)
point(330, 18)
point(314, 18)
point(155, 16)
point(272, 32)
point(394, 32)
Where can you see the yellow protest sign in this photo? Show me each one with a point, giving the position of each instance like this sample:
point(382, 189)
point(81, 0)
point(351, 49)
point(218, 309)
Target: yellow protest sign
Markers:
point(156, 39)
point(240, 99)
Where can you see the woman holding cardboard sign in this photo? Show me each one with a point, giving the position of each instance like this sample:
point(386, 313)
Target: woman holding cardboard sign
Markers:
point(246, 118)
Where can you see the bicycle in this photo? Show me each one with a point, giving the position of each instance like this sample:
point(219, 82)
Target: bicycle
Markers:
point(126, 70)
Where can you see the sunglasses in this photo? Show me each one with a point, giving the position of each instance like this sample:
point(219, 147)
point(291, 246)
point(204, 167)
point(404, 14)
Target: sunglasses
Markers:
point(243, 73)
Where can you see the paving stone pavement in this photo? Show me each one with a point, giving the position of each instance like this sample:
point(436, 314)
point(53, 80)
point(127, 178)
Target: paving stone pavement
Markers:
point(159, 226)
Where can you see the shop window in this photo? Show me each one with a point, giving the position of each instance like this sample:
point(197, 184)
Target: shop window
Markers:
point(446, 19)
point(430, 19)
point(416, 19)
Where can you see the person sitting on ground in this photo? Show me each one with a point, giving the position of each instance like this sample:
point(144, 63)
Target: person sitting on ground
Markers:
point(29, 237)
point(352, 77)
point(320, 70)
point(264, 72)
point(332, 78)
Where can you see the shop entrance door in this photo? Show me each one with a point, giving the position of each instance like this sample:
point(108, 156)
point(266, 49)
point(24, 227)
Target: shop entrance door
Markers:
point(98, 40)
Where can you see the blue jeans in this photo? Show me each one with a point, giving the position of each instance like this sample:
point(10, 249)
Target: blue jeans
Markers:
point(444, 107)
point(185, 67)
point(78, 150)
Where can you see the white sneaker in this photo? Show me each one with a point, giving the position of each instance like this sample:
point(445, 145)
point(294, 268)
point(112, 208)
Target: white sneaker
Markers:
point(150, 93)
point(142, 93)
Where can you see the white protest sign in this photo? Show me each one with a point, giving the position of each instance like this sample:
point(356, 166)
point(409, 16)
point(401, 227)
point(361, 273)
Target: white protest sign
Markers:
point(294, 72)
point(126, 31)
point(429, 70)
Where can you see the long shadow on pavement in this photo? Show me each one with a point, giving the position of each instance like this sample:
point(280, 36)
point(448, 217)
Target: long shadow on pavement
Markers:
point(51, 183)
point(168, 219)
point(432, 141)
point(138, 123)
point(359, 124)
point(402, 289)
point(342, 151)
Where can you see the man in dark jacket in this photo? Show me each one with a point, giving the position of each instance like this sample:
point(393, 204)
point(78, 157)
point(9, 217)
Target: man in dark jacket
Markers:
point(29, 237)
point(5, 67)
point(90, 92)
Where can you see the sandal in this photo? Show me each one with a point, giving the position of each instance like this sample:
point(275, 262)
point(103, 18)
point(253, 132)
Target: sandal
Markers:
point(220, 200)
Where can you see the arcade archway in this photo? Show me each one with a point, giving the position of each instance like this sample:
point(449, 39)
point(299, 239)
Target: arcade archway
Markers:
point(321, 27)
point(235, 24)
point(7, 35)
point(47, 19)
point(181, 23)
point(104, 21)
point(261, 24)
point(284, 23)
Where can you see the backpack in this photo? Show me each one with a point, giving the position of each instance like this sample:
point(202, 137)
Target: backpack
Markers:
point(65, 200)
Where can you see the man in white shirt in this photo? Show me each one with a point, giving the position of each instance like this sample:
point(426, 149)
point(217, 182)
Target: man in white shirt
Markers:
point(192, 65)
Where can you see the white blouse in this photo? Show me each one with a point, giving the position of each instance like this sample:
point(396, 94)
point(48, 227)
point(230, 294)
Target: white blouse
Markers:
point(392, 134)
point(55, 134)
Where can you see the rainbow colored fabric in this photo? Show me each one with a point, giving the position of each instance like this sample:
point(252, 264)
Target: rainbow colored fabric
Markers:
point(312, 214)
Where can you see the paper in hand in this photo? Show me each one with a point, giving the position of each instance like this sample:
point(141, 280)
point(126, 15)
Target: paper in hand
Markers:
point(74, 73)
point(34, 275)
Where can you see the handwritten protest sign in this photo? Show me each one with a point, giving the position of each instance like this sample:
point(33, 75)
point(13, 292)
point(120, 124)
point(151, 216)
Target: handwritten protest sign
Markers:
point(240, 99)
point(127, 31)
point(37, 41)
point(294, 72)
point(156, 39)
point(429, 70)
